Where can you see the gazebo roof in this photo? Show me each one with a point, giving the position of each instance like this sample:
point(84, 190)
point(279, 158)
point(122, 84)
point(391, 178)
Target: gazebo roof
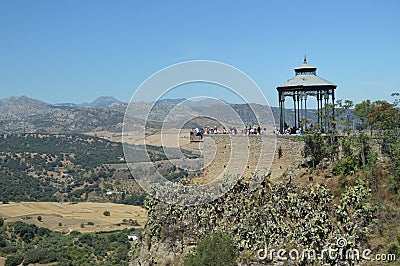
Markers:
point(305, 67)
point(306, 81)
point(306, 77)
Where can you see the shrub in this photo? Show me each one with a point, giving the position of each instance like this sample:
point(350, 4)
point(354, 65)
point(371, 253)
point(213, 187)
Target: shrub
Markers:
point(346, 166)
point(14, 260)
point(217, 249)
point(3, 242)
point(394, 184)
point(43, 231)
point(393, 249)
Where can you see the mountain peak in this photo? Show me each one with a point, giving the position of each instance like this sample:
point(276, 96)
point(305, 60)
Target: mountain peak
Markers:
point(101, 102)
point(22, 100)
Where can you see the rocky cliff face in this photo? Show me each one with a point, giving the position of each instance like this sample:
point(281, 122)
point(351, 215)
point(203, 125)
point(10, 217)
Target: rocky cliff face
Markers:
point(274, 215)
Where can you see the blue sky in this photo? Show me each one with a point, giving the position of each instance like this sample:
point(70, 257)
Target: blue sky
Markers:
point(75, 51)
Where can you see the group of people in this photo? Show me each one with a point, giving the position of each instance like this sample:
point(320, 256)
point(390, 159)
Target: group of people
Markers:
point(248, 130)
point(289, 131)
point(255, 130)
point(199, 132)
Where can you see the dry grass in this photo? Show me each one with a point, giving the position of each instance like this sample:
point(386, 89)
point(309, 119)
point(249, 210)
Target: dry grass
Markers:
point(168, 138)
point(72, 216)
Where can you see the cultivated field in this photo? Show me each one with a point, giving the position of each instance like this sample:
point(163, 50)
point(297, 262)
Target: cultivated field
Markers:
point(168, 138)
point(67, 217)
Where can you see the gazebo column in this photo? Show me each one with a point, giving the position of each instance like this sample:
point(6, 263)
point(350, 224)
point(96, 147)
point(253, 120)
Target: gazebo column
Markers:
point(318, 110)
point(326, 98)
point(333, 108)
point(301, 108)
point(305, 110)
point(298, 110)
point(282, 112)
point(295, 111)
point(321, 109)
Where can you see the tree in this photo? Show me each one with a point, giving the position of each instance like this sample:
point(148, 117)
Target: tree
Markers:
point(395, 179)
point(314, 147)
point(363, 111)
point(1, 221)
point(39, 218)
point(344, 110)
point(214, 250)
point(106, 213)
point(385, 118)
point(14, 260)
point(3, 242)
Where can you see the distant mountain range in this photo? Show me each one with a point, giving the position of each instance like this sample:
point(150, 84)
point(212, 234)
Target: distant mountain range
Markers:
point(26, 115)
point(101, 102)
point(206, 102)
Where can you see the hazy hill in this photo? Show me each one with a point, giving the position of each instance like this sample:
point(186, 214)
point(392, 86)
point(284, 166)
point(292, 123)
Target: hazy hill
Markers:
point(23, 106)
point(173, 101)
point(204, 103)
point(101, 102)
point(27, 115)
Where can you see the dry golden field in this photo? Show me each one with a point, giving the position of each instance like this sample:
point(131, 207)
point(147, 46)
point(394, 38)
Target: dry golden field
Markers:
point(168, 138)
point(72, 216)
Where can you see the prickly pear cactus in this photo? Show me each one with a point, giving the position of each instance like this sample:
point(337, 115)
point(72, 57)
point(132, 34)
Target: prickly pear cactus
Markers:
point(274, 215)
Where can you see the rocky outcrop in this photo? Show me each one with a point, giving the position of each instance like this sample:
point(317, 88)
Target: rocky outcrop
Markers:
point(274, 215)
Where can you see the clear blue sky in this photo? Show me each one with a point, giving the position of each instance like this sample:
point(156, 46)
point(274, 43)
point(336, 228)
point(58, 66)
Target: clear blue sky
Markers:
point(75, 51)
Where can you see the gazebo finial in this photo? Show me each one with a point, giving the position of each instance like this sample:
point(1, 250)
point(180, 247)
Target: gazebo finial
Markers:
point(305, 59)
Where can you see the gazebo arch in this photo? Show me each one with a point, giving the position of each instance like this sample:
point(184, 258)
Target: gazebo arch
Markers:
point(304, 84)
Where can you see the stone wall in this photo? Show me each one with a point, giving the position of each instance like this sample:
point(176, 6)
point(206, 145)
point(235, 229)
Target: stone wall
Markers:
point(235, 154)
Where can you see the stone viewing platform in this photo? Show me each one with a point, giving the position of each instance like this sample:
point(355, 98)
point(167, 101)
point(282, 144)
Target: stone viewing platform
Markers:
point(235, 154)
